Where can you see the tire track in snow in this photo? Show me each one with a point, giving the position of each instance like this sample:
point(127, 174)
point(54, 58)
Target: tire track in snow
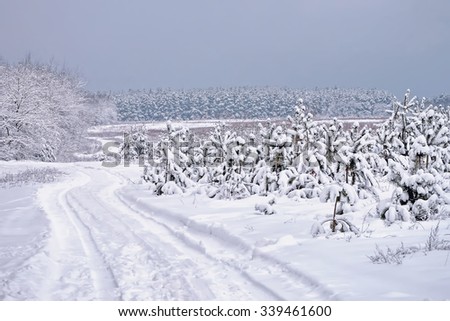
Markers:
point(197, 247)
point(104, 281)
point(96, 251)
point(232, 283)
point(123, 252)
point(258, 267)
point(76, 269)
point(142, 272)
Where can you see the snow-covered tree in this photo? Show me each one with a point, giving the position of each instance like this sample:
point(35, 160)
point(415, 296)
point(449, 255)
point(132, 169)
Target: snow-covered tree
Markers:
point(43, 111)
point(307, 159)
point(136, 145)
point(418, 167)
point(229, 177)
point(166, 172)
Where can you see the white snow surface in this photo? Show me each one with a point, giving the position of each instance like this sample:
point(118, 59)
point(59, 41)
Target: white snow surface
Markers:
point(162, 125)
point(191, 124)
point(97, 234)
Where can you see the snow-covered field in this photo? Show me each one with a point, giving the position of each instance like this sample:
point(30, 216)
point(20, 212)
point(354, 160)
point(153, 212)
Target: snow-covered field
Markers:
point(97, 234)
point(162, 125)
point(201, 124)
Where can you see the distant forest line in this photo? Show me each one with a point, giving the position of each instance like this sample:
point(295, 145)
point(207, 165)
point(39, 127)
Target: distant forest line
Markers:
point(45, 110)
point(253, 103)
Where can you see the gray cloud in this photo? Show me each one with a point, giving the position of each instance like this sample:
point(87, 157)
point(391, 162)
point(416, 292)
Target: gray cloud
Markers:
point(201, 43)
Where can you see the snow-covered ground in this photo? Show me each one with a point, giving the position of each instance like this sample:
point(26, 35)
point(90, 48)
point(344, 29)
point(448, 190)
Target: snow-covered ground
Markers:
point(97, 234)
point(199, 124)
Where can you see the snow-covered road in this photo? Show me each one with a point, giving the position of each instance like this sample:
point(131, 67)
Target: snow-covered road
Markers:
point(103, 244)
point(95, 234)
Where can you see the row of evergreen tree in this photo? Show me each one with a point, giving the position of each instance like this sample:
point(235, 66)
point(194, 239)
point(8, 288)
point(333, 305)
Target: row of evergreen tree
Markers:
point(305, 158)
point(247, 103)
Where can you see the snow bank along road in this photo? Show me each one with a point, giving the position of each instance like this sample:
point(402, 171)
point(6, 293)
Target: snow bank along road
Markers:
point(104, 244)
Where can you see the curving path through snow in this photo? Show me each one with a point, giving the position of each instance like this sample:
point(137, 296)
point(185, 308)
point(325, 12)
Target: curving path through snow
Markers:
point(104, 244)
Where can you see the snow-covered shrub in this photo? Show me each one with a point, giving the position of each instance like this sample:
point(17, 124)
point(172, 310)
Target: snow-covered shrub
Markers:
point(394, 210)
point(344, 195)
point(396, 213)
point(304, 186)
point(330, 226)
point(434, 242)
point(30, 176)
point(330, 193)
point(170, 188)
point(391, 256)
point(166, 174)
point(136, 145)
point(425, 209)
point(264, 179)
point(317, 229)
point(417, 138)
point(266, 208)
point(396, 256)
point(416, 192)
point(229, 185)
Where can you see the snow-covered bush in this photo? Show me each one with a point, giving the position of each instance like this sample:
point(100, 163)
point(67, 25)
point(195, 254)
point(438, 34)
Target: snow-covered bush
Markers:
point(415, 146)
point(344, 195)
point(30, 176)
point(391, 256)
point(435, 242)
point(395, 256)
point(266, 208)
point(44, 111)
point(136, 145)
point(166, 172)
point(229, 185)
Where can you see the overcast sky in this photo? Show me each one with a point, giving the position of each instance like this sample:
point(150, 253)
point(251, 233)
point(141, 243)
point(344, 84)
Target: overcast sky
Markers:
point(121, 44)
